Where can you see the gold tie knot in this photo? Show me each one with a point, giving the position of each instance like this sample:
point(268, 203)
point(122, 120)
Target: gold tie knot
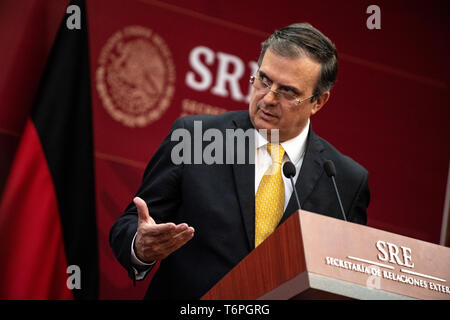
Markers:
point(276, 152)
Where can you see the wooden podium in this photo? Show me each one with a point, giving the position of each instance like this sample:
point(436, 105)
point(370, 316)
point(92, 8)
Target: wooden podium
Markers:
point(311, 256)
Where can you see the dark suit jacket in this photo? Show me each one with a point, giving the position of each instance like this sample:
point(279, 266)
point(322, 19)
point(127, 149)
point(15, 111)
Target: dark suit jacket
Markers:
point(219, 202)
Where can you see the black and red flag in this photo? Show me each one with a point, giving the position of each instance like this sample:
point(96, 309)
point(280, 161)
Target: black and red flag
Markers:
point(47, 209)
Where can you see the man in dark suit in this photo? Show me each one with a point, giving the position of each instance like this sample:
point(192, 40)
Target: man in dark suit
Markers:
point(200, 220)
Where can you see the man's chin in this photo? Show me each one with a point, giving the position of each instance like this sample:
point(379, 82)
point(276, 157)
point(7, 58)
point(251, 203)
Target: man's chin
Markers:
point(265, 129)
point(261, 123)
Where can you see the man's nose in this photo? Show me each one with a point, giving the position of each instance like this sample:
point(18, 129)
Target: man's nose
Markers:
point(271, 97)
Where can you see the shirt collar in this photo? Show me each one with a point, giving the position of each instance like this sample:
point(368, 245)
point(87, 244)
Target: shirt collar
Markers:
point(294, 147)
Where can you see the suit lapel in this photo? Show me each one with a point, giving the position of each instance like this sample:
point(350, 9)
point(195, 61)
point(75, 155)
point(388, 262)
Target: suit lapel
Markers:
point(309, 175)
point(244, 178)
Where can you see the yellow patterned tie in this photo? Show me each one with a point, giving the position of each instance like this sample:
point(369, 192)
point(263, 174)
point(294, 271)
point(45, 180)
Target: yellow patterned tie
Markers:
point(269, 200)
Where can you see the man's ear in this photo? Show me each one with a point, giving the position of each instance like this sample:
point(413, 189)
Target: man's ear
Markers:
point(320, 102)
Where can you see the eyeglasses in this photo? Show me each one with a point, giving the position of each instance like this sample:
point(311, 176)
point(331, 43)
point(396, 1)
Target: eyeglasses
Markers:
point(264, 85)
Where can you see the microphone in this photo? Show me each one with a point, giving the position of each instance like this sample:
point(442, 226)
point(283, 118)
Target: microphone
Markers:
point(289, 172)
point(330, 170)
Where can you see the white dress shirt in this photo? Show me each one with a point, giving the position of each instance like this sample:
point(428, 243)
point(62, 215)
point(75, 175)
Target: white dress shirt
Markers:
point(294, 151)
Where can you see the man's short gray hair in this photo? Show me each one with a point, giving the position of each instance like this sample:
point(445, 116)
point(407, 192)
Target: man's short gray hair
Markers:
point(300, 39)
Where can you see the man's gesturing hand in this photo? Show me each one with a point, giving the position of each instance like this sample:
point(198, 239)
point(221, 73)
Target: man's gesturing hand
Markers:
point(156, 241)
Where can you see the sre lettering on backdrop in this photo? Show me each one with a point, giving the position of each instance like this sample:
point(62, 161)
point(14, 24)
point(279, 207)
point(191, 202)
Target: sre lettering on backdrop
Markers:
point(229, 72)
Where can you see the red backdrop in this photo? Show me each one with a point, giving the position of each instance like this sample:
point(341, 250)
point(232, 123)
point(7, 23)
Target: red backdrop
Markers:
point(389, 109)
